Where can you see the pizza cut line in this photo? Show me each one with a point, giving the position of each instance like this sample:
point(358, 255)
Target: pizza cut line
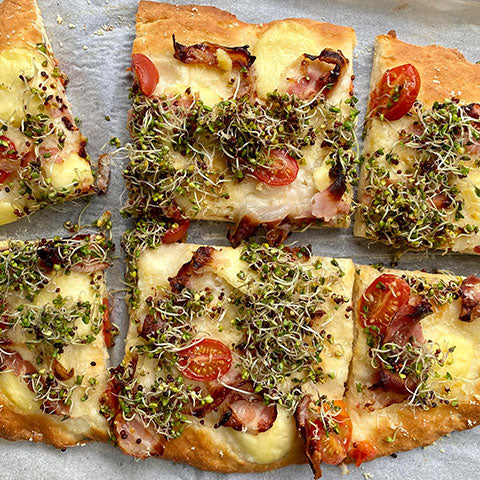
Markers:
point(420, 182)
point(43, 160)
point(250, 124)
point(223, 372)
point(54, 334)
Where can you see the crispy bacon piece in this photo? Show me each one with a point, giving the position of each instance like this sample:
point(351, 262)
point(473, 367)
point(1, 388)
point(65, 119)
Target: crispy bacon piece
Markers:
point(245, 228)
point(136, 439)
point(318, 73)
point(470, 295)
point(60, 372)
point(314, 455)
point(201, 257)
point(247, 413)
point(405, 327)
point(206, 53)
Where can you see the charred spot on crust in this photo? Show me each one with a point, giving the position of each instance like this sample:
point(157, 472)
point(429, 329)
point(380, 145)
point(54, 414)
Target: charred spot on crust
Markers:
point(68, 123)
point(339, 184)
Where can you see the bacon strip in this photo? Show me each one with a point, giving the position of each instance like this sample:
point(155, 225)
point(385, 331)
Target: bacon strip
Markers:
point(470, 295)
point(245, 228)
point(203, 256)
point(318, 73)
point(206, 53)
point(136, 439)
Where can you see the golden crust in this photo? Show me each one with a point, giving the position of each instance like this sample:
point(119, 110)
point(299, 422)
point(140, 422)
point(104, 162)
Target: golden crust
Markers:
point(444, 72)
point(20, 23)
point(416, 427)
point(156, 22)
point(208, 453)
point(46, 428)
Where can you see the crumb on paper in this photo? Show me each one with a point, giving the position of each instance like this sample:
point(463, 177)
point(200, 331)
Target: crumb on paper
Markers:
point(71, 26)
point(85, 47)
point(344, 469)
point(367, 475)
point(442, 450)
point(59, 19)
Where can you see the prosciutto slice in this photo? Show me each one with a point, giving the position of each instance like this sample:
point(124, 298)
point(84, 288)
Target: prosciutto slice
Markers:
point(470, 295)
point(318, 73)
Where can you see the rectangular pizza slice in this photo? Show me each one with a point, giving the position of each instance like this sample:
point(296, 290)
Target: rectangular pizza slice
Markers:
point(230, 352)
point(42, 152)
point(250, 124)
point(415, 372)
point(420, 179)
point(54, 329)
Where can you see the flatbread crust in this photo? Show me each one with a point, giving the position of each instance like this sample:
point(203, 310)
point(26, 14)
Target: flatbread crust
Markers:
point(22, 32)
point(445, 73)
point(192, 24)
point(410, 427)
point(218, 449)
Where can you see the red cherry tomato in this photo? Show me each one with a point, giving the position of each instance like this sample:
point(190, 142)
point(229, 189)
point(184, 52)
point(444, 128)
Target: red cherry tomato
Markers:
point(8, 151)
point(283, 171)
point(107, 325)
point(362, 451)
point(333, 446)
point(146, 72)
point(396, 92)
point(382, 300)
point(207, 359)
point(177, 232)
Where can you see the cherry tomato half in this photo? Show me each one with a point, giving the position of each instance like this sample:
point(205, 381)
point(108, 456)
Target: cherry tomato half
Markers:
point(207, 359)
point(8, 151)
point(362, 451)
point(283, 171)
point(107, 328)
point(177, 232)
point(333, 446)
point(396, 92)
point(382, 300)
point(146, 72)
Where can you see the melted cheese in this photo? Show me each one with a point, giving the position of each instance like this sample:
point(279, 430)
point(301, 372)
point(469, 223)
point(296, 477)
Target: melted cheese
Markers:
point(15, 62)
point(321, 178)
point(18, 393)
point(7, 213)
point(269, 446)
point(467, 190)
point(65, 174)
point(281, 45)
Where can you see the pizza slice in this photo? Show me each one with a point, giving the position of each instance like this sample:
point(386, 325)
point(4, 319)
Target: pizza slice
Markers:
point(234, 357)
point(415, 372)
point(250, 124)
point(420, 179)
point(42, 152)
point(54, 330)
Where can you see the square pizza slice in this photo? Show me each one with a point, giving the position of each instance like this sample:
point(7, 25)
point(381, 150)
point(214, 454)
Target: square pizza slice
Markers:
point(234, 357)
point(415, 372)
point(250, 124)
point(54, 329)
point(43, 160)
point(420, 179)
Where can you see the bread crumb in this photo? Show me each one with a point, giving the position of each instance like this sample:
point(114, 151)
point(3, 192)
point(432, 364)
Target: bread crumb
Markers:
point(85, 47)
point(59, 19)
point(367, 475)
point(71, 25)
point(442, 450)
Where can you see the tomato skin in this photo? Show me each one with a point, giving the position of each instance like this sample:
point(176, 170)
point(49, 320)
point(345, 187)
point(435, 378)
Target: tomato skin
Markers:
point(177, 232)
point(396, 92)
point(283, 171)
point(333, 447)
point(107, 325)
point(146, 72)
point(207, 359)
point(362, 451)
point(382, 300)
point(8, 153)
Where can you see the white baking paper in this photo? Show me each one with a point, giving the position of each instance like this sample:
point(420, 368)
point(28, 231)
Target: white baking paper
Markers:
point(92, 39)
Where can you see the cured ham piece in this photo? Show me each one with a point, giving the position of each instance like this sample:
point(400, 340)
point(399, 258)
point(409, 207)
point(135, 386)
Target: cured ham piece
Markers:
point(135, 438)
point(470, 295)
point(327, 206)
point(317, 74)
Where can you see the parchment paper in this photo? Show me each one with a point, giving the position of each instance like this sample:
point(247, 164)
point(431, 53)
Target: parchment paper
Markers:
point(92, 39)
